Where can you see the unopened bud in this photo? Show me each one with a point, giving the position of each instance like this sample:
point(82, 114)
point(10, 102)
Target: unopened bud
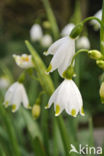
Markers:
point(95, 54)
point(102, 92)
point(46, 25)
point(100, 64)
point(76, 30)
point(36, 111)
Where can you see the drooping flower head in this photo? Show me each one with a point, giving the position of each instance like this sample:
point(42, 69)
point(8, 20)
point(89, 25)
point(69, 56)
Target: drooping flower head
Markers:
point(67, 29)
point(36, 32)
point(83, 42)
point(46, 40)
point(24, 61)
point(16, 95)
point(67, 97)
point(62, 51)
point(4, 82)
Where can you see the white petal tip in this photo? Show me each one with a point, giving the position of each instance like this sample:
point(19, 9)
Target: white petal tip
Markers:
point(56, 115)
point(49, 69)
point(45, 53)
point(14, 56)
point(46, 107)
point(29, 107)
point(82, 114)
point(13, 111)
point(5, 104)
point(47, 73)
point(14, 108)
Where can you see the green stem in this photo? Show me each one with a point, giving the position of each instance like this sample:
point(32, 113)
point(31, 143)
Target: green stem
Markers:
point(102, 31)
point(92, 18)
point(51, 18)
point(11, 132)
point(77, 53)
point(64, 135)
point(47, 84)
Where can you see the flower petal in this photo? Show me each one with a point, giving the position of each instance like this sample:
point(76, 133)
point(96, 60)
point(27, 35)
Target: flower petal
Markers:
point(59, 57)
point(10, 92)
point(75, 99)
point(68, 58)
point(24, 98)
point(54, 47)
point(16, 99)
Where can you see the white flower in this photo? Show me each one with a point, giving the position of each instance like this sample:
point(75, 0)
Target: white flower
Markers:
point(67, 97)
point(94, 22)
point(16, 95)
point(67, 29)
point(24, 61)
point(83, 42)
point(36, 32)
point(63, 51)
point(46, 40)
point(4, 82)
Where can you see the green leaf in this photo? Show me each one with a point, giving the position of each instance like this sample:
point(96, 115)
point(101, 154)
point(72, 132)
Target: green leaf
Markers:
point(40, 67)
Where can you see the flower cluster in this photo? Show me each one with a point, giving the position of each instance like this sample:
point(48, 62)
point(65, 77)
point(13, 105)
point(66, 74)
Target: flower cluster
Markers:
point(16, 94)
point(67, 96)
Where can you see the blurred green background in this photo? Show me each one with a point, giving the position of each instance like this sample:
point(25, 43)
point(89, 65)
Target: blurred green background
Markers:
point(16, 19)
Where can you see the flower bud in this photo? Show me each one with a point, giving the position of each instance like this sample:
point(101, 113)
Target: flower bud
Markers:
point(36, 111)
point(95, 54)
point(100, 63)
point(102, 92)
point(76, 31)
point(46, 25)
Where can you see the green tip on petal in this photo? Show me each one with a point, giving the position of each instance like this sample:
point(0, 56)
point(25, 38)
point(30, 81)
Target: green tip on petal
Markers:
point(13, 108)
point(47, 106)
point(57, 110)
point(29, 106)
point(49, 68)
point(102, 100)
point(45, 53)
point(73, 112)
point(6, 104)
point(82, 112)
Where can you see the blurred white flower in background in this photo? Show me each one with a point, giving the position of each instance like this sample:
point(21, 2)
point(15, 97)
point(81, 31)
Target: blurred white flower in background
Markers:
point(67, 29)
point(94, 22)
point(83, 42)
point(46, 40)
point(68, 97)
point(36, 32)
point(24, 61)
point(62, 51)
point(16, 95)
point(4, 82)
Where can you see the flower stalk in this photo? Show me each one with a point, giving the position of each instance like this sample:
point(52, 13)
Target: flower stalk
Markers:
point(51, 18)
point(102, 31)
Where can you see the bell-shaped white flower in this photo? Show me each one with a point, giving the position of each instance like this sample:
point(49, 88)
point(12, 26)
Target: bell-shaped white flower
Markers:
point(16, 95)
point(67, 97)
point(24, 61)
point(83, 42)
point(36, 32)
point(46, 40)
point(62, 51)
point(94, 22)
point(67, 29)
point(4, 82)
